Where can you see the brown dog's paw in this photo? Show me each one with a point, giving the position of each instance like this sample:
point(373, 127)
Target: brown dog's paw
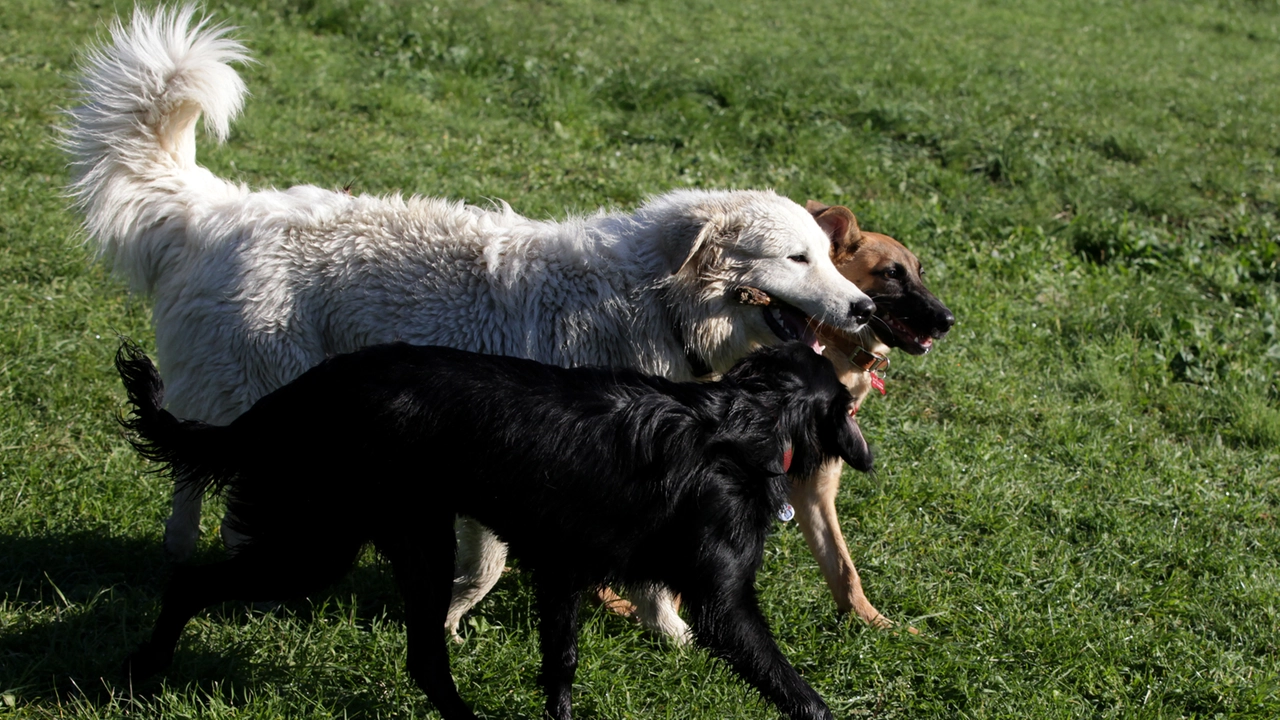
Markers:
point(616, 604)
point(880, 622)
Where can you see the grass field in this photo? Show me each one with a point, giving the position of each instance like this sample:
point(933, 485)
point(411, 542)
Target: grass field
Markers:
point(1077, 492)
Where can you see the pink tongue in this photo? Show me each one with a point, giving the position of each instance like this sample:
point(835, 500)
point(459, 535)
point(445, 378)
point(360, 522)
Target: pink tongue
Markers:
point(810, 338)
point(926, 342)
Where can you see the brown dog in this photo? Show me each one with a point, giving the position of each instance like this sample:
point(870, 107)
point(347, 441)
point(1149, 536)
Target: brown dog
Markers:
point(908, 317)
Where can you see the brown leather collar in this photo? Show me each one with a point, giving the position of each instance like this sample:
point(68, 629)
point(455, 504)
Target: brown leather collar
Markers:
point(868, 361)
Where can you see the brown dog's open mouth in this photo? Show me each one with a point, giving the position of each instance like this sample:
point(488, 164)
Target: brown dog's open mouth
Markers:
point(913, 342)
point(789, 323)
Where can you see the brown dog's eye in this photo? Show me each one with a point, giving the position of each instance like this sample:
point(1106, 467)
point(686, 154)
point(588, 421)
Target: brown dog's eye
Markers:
point(802, 259)
point(892, 272)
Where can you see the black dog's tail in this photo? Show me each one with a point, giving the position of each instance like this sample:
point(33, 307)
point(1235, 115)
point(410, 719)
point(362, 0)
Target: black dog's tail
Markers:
point(193, 453)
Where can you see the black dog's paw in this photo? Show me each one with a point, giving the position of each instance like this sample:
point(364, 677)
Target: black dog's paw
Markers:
point(144, 663)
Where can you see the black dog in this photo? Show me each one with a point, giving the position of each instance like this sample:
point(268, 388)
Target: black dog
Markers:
point(591, 475)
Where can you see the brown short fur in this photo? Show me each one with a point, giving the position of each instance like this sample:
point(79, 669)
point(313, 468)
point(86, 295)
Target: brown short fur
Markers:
point(909, 317)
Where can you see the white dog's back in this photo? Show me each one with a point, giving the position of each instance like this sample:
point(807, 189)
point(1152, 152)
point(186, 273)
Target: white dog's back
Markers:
point(237, 273)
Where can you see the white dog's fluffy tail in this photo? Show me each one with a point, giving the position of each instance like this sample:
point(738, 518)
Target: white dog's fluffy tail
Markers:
point(132, 141)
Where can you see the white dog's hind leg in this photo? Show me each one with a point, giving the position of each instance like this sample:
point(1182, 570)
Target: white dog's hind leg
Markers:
point(656, 610)
point(182, 529)
point(481, 557)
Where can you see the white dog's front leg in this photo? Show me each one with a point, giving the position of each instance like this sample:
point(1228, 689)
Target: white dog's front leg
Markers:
point(481, 557)
point(182, 529)
point(656, 610)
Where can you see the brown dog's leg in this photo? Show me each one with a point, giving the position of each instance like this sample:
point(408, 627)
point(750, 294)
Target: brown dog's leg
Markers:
point(815, 504)
point(615, 603)
point(658, 611)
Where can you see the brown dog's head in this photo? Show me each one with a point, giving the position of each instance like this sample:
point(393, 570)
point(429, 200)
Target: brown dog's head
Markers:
point(907, 315)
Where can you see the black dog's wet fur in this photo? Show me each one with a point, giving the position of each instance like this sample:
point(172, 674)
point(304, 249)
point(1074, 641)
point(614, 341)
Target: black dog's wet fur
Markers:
point(592, 476)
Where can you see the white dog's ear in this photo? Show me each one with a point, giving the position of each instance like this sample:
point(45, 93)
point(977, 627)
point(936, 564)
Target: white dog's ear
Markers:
point(682, 240)
point(840, 225)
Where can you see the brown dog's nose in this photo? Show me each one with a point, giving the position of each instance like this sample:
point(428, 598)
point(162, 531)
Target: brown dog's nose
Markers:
point(946, 320)
point(860, 311)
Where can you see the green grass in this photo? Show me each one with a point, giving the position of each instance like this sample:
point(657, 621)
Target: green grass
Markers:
point(1077, 492)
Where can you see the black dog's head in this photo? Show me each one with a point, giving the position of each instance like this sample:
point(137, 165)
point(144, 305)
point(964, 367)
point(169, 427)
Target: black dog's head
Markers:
point(814, 407)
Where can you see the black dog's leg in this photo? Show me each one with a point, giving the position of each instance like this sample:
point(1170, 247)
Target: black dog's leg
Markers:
point(727, 621)
point(253, 575)
point(423, 568)
point(558, 604)
point(190, 590)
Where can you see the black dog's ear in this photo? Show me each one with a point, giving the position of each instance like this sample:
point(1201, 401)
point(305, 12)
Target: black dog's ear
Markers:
point(842, 435)
point(834, 434)
point(815, 407)
point(803, 434)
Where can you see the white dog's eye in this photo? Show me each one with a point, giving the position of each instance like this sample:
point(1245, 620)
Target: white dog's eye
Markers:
point(802, 259)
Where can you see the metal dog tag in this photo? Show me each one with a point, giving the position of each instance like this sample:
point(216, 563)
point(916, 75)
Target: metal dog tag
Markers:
point(786, 513)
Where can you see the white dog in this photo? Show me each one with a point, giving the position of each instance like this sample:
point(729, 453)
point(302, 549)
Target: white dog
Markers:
point(252, 288)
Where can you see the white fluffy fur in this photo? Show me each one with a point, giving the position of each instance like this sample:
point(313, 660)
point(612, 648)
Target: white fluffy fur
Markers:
point(252, 288)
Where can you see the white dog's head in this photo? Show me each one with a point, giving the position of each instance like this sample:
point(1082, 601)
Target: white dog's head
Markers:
point(716, 244)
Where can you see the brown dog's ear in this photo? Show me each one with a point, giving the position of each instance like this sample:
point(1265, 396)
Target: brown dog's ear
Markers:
point(840, 225)
point(814, 207)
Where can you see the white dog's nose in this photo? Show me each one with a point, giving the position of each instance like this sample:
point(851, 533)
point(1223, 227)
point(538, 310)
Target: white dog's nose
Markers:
point(860, 311)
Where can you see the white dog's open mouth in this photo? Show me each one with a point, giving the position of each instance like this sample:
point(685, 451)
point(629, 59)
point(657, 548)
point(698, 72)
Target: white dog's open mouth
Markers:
point(789, 323)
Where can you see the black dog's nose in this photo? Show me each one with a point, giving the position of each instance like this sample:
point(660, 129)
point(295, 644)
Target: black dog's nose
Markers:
point(860, 311)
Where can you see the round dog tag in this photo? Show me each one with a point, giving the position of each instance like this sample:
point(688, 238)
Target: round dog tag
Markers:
point(786, 513)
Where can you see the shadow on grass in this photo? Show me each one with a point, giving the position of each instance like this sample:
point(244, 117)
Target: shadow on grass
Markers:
point(70, 602)
point(73, 605)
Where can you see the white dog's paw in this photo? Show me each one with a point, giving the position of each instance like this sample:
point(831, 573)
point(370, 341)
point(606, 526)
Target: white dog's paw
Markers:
point(451, 632)
point(656, 610)
point(679, 633)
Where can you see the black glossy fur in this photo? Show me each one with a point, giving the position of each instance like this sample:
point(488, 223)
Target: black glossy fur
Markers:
point(591, 475)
